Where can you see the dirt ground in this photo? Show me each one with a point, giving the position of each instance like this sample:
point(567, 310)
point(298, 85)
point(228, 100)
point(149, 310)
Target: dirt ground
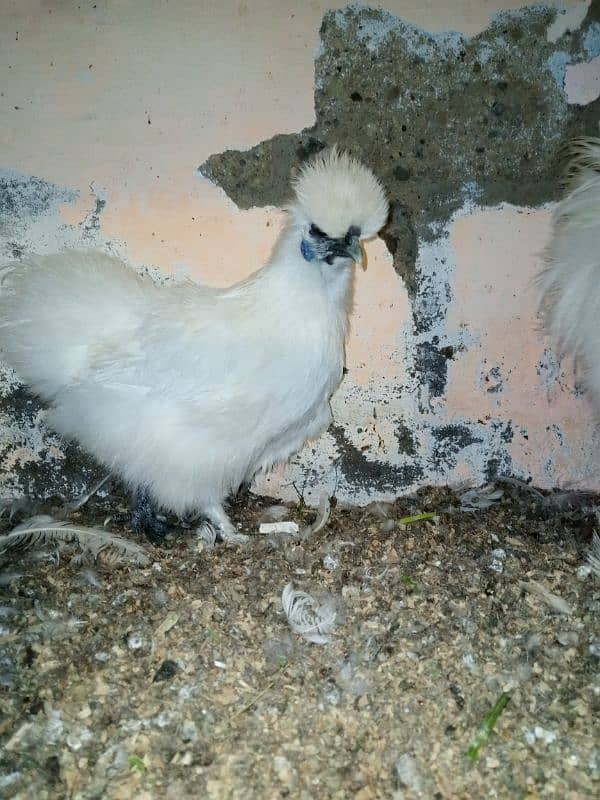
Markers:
point(183, 678)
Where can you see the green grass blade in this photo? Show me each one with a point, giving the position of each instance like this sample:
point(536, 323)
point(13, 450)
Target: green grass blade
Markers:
point(487, 726)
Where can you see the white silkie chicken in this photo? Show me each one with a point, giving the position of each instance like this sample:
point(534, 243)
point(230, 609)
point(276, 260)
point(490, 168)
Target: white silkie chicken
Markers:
point(571, 280)
point(186, 391)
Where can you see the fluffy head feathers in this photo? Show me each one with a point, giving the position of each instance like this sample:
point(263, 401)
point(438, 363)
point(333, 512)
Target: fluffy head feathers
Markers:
point(336, 192)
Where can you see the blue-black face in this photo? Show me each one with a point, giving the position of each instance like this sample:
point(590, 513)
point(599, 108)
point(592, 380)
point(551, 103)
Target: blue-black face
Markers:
point(317, 245)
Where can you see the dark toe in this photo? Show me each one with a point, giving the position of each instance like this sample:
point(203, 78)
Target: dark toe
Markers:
point(144, 518)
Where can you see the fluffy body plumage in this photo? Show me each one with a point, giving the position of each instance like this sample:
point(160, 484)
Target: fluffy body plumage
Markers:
point(188, 391)
point(571, 280)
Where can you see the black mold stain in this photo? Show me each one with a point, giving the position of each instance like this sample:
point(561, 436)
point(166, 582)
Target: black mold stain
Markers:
point(375, 475)
point(432, 366)
point(449, 440)
point(494, 381)
point(406, 440)
point(46, 477)
point(499, 465)
point(92, 221)
point(25, 196)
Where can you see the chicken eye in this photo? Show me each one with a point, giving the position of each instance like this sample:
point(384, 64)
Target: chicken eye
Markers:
point(317, 232)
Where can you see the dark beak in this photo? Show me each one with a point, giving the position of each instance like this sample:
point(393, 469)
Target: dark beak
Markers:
point(355, 252)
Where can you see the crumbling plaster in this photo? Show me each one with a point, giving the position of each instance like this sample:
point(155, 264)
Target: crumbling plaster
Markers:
point(110, 107)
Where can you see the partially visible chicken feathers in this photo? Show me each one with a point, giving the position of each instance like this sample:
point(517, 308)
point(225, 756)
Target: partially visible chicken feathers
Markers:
point(570, 282)
point(184, 390)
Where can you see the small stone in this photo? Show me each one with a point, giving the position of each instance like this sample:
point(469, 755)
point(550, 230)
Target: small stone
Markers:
point(102, 656)
point(135, 641)
point(78, 737)
point(498, 559)
point(567, 638)
point(285, 771)
point(407, 773)
point(160, 598)
point(584, 571)
point(350, 591)
point(189, 731)
point(167, 670)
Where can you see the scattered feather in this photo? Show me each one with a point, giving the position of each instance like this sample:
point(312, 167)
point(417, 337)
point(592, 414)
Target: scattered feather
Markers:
point(322, 518)
point(50, 556)
point(380, 509)
point(553, 600)
point(260, 694)
point(53, 626)
point(558, 499)
point(275, 513)
point(8, 578)
point(43, 530)
point(16, 506)
point(331, 562)
point(83, 499)
point(288, 527)
point(480, 498)
point(539, 734)
point(87, 577)
point(351, 679)
point(307, 617)
point(371, 576)
point(593, 558)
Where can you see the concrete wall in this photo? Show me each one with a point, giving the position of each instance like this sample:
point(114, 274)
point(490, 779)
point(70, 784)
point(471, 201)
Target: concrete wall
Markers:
point(109, 108)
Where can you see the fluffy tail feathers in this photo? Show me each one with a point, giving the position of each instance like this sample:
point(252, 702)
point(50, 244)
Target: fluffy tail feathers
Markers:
point(57, 312)
point(570, 282)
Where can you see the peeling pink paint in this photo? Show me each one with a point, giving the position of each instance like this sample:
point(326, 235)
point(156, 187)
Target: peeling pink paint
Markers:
point(582, 82)
point(498, 256)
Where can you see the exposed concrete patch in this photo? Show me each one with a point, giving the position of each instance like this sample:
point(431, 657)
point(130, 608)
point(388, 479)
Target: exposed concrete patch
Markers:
point(440, 118)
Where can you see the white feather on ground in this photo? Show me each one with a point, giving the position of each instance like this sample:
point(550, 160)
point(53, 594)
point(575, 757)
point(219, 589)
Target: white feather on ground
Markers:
point(594, 555)
point(307, 616)
point(555, 602)
point(570, 282)
point(185, 390)
point(322, 518)
point(44, 530)
point(480, 498)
